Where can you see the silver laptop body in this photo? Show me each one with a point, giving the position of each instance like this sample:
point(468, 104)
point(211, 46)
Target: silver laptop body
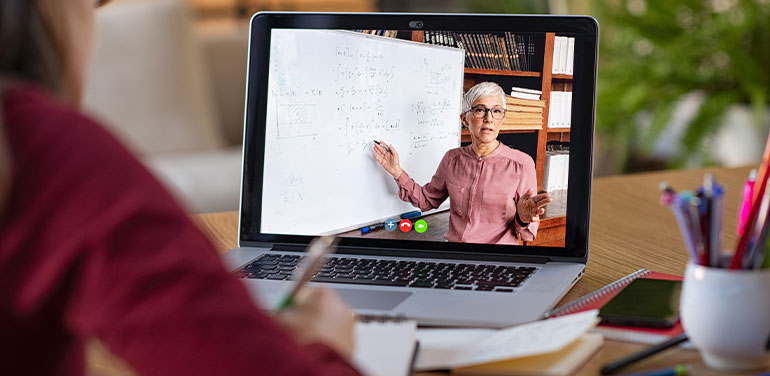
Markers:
point(555, 269)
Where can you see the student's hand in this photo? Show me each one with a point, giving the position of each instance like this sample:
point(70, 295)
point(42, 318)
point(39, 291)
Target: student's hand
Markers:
point(531, 206)
point(320, 316)
point(388, 159)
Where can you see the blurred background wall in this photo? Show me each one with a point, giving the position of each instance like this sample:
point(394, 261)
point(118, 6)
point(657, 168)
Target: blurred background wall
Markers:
point(681, 83)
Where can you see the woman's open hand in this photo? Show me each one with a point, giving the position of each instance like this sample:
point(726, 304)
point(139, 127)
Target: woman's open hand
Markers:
point(388, 159)
point(531, 206)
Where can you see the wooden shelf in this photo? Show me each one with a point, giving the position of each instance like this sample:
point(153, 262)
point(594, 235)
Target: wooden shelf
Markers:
point(562, 76)
point(493, 72)
point(558, 130)
point(465, 136)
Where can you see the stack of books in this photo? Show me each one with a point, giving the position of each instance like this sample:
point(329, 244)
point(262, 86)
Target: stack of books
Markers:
point(525, 109)
point(488, 51)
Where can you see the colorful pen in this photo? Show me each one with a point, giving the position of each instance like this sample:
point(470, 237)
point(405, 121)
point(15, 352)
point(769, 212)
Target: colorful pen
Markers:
point(748, 196)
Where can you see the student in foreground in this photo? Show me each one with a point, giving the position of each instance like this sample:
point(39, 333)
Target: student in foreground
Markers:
point(91, 246)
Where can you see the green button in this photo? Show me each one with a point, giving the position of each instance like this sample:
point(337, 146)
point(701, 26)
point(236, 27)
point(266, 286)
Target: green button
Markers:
point(420, 226)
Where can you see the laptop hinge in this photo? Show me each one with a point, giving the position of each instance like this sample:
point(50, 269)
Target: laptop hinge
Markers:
point(413, 253)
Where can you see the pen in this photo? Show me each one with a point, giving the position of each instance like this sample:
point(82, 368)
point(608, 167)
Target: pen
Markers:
point(748, 195)
point(382, 146)
point(616, 366)
point(317, 249)
point(679, 370)
point(762, 175)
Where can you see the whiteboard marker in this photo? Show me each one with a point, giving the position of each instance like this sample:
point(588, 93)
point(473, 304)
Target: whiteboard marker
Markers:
point(372, 227)
point(383, 146)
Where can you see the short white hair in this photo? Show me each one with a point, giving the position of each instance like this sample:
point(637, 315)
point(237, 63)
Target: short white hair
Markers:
point(481, 90)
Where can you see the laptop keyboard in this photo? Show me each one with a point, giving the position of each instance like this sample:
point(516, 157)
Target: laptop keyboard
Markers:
point(437, 275)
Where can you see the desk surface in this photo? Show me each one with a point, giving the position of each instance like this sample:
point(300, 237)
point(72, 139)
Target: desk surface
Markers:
point(629, 230)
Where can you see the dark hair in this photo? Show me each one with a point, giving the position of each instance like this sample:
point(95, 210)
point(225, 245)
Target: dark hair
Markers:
point(28, 52)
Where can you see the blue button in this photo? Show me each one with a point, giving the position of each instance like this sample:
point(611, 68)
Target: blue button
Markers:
point(391, 224)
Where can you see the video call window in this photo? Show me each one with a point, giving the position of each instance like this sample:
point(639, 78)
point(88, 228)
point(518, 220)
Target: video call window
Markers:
point(418, 135)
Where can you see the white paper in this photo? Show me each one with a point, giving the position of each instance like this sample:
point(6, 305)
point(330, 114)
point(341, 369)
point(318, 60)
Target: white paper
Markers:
point(384, 348)
point(452, 348)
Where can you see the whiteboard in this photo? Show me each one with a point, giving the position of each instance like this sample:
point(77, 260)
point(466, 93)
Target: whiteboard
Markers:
point(330, 94)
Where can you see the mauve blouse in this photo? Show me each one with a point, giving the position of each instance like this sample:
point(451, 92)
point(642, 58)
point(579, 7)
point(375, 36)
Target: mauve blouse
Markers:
point(483, 193)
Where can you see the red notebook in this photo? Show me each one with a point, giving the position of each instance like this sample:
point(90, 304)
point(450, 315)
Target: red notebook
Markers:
point(600, 297)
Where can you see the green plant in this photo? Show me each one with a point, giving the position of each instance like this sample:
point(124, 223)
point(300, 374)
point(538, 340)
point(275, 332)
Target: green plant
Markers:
point(653, 52)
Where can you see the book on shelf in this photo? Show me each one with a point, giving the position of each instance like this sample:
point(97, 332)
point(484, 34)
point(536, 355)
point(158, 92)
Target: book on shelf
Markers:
point(599, 298)
point(524, 93)
point(560, 109)
point(523, 114)
point(563, 55)
point(380, 32)
point(556, 175)
point(507, 52)
point(511, 101)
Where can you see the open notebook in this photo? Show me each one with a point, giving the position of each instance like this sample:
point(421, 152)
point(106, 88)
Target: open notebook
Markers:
point(512, 350)
point(385, 346)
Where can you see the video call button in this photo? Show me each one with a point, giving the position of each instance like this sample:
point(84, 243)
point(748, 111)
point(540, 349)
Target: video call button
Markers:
point(405, 225)
point(420, 226)
point(391, 224)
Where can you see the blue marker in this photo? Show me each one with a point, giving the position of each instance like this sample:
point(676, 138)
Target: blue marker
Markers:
point(411, 214)
point(371, 227)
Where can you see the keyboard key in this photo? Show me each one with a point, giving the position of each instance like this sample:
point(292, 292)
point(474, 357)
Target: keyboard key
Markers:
point(425, 284)
point(377, 282)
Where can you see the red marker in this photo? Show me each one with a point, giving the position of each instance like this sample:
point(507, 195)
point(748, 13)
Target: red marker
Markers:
point(405, 225)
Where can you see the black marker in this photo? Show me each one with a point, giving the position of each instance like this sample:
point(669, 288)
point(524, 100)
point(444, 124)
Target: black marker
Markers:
point(382, 146)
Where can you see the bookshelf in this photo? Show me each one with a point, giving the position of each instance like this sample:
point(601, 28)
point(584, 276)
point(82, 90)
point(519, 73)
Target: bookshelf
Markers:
point(553, 223)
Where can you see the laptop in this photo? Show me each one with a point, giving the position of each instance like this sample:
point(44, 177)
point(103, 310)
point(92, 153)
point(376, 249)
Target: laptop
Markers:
point(322, 87)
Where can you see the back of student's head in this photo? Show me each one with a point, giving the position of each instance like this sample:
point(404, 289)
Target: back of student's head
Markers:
point(37, 38)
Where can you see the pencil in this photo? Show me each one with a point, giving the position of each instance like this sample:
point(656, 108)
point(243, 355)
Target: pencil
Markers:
point(317, 249)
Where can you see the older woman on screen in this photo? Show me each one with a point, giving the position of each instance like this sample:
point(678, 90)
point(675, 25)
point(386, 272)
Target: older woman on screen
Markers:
point(492, 188)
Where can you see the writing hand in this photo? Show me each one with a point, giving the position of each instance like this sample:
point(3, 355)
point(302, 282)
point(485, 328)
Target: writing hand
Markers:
point(320, 315)
point(531, 206)
point(388, 159)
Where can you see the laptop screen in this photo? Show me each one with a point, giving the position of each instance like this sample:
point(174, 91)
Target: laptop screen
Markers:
point(439, 138)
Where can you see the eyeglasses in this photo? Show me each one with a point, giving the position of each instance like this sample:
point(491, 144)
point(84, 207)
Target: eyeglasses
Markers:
point(480, 112)
point(101, 2)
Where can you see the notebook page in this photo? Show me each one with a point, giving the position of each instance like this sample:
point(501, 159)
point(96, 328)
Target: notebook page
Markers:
point(482, 346)
point(384, 348)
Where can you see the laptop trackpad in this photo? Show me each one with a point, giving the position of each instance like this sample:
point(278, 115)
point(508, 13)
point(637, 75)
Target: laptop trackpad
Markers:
point(373, 299)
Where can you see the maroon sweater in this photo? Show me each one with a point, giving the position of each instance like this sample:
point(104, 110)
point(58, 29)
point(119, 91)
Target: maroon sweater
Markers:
point(93, 246)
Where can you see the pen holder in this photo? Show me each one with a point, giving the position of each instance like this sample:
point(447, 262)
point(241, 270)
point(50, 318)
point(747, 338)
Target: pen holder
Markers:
point(726, 314)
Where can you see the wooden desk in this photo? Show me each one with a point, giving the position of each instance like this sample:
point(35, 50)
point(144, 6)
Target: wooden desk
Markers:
point(629, 230)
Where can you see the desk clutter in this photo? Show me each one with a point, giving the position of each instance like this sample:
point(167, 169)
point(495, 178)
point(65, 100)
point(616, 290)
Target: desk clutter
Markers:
point(699, 215)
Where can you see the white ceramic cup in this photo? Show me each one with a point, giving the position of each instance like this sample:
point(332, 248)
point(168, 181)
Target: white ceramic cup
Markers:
point(726, 314)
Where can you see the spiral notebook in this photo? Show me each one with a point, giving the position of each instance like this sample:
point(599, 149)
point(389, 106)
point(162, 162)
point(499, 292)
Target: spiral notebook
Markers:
point(600, 297)
point(385, 345)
